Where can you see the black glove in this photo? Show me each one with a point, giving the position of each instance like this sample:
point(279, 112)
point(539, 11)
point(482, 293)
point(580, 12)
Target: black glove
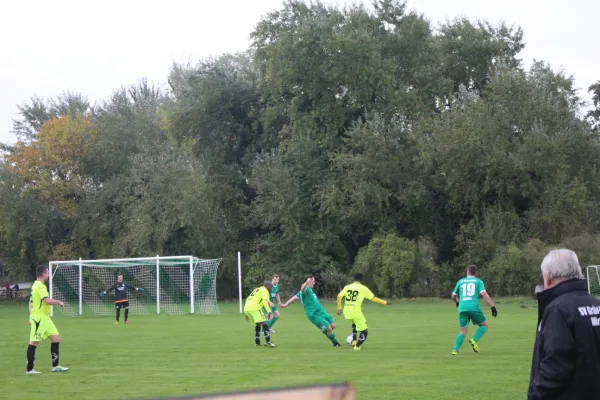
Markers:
point(494, 312)
point(457, 304)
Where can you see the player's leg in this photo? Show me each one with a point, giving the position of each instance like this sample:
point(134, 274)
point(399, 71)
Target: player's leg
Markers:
point(267, 333)
point(320, 322)
point(54, 336)
point(362, 330)
point(478, 319)
point(118, 307)
point(126, 306)
point(274, 318)
point(251, 316)
point(330, 330)
point(34, 339)
point(261, 319)
point(354, 333)
point(463, 323)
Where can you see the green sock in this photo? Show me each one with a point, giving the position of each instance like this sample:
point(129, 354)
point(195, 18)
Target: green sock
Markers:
point(332, 337)
point(480, 332)
point(459, 341)
point(272, 321)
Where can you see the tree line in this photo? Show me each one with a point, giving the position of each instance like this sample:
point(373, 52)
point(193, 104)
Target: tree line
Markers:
point(356, 139)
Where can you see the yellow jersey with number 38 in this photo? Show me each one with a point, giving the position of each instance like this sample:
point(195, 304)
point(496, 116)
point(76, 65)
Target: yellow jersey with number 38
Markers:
point(354, 295)
point(39, 292)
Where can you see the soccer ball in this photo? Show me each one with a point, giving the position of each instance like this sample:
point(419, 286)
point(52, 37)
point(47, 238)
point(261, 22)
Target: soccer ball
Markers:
point(349, 340)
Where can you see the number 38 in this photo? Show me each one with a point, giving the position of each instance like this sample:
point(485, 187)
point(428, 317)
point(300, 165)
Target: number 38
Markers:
point(351, 295)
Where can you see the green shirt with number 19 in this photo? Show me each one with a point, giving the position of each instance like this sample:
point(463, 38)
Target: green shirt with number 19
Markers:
point(468, 290)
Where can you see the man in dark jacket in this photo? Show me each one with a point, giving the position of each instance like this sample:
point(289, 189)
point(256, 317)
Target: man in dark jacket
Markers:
point(566, 355)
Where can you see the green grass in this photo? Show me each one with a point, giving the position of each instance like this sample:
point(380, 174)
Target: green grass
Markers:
point(407, 355)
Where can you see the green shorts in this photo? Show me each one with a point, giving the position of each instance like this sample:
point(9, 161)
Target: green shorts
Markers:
point(464, 317)
point(321, 320)
point(41, 328)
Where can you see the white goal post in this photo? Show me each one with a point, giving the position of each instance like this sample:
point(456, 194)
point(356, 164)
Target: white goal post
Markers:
point(172, 285)
point(593, 279)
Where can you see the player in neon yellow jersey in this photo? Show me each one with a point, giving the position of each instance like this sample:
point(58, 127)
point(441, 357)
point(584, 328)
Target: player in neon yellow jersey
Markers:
point(257, 310)
point(42, 326)
point(353, 296)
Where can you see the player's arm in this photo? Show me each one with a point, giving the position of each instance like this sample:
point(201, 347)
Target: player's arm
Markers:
point(45, 296)
point(53, 302)
point(278, 300)
point(110, 289)
point(340, 297)
point(483, 293)
point(488, 300)
point(455, 294)
point(290, 301)
point(370, 296)
point(380, 301)
point(455, 297)
point(131, 287)
point(305, 284)
point(265, 301)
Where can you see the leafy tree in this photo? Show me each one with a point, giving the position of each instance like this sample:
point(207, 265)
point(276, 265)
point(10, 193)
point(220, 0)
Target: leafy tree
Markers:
point(38, 111)
point(594, 115)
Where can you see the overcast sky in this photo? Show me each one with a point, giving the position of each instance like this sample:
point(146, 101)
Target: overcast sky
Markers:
point(47, 47)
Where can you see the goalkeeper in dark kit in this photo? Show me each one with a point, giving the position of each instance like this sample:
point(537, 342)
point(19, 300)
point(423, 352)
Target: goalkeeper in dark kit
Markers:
point(121, 299)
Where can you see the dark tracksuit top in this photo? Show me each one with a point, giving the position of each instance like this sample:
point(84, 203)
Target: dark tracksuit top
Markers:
point(566, 355)
point(120, 289)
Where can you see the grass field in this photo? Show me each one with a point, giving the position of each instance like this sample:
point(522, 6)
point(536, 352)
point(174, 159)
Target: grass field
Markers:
point(407, 355)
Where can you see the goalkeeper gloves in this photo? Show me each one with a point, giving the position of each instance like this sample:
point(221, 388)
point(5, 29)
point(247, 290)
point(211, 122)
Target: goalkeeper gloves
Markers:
point(102, 294)
point(141, 290)
point(494, 312)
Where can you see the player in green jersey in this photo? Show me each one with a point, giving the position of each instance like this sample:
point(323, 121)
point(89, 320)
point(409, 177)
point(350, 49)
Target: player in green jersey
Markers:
point(274, 296)
point(314, 310)
point(466, 296)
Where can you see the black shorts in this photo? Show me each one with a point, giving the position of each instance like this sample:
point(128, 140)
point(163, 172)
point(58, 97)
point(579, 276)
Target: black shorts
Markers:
point(123, 304)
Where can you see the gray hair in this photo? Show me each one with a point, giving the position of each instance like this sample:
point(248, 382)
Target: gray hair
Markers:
point(561, 264)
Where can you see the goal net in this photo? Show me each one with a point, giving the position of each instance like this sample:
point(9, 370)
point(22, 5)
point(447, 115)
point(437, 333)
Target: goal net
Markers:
point(593, 280)
point(172, 285)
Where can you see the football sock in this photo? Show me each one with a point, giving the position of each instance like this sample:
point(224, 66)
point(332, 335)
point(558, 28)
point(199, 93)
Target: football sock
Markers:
point(30, 357)
point(54, 353)
point(459, 341)
point(272, 321)
point(332, 337)
point(353, 332)
point(267, 334)
point(118, 314)
point(362, 337)
point(257, 334)
point(479, 333)
point(126, 313)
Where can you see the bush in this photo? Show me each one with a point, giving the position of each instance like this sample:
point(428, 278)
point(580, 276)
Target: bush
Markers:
point(388, 263)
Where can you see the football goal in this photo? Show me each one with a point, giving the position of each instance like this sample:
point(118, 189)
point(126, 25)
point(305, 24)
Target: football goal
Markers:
point(172, 285)
point(593, 279)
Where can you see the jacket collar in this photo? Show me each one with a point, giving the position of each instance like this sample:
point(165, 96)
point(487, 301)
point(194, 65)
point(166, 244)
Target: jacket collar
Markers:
point(547, 296)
